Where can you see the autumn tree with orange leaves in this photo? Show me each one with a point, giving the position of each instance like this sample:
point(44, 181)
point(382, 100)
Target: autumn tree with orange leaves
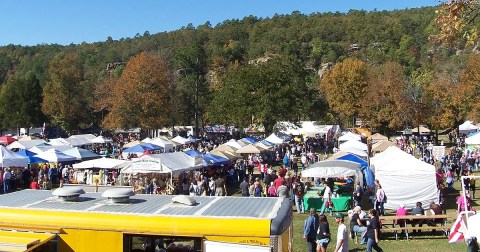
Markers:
point(456, 19)
point(140, 97)
point(344, 87)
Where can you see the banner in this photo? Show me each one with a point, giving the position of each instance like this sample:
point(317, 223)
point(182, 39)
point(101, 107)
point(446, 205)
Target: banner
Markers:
point(438, 152)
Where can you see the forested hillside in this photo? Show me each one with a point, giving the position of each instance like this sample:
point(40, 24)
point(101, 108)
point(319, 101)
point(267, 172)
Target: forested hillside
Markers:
point(245, 71)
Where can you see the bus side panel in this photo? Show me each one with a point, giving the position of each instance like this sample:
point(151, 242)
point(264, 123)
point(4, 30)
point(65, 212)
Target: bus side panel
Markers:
point(90, 240)
point(264, 241)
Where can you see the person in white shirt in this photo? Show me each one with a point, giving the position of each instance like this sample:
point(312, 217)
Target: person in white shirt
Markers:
point(326, 199)
point(342, 234)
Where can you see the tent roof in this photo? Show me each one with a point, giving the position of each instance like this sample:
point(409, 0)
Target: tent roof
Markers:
point(382, 146)
point(274, 139)
point(26, 144)
point(7, 140)
point(332, 169)
point(247, 149)
point(10, 158)
point(81, 154)
point(467, 126)
point(101, 140)
point(475, 139)
point(31, 156)
point(103, 163)
point(353, 144)
point(166, 144)
point(226, 154)
point(225, 147)
point(378, 137)
point(423, 130)
point(350, 136)
point(58, 142)
point(174, 162)
point(55, 156)
point(404, 178)
point(235, 144)
point(358, 152)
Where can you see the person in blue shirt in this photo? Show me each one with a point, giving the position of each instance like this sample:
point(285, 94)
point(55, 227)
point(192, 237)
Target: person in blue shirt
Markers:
point(310, 230)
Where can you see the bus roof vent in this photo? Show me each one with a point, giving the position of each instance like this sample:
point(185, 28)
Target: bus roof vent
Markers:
point(118, 195)
point(184, 199)
point(70, 193)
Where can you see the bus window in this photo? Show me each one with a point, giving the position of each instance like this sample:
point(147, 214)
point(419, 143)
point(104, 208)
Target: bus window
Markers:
point(152, 243)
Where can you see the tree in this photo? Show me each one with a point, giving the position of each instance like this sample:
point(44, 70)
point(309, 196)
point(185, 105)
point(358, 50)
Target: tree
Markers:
point(262, 94)
point(344, 87)
point(141, 97)
point(456, 19)
point(64, 95)
point(20, 102)
point(382, 103)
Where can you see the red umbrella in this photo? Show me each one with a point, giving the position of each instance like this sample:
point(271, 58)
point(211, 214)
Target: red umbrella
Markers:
point(7, 140)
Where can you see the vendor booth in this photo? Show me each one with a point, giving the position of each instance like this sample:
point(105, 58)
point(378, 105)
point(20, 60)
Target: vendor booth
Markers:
point(342, 197)
point(404, 178)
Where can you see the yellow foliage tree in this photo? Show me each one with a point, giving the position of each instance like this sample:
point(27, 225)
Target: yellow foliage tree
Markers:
point(344, 87)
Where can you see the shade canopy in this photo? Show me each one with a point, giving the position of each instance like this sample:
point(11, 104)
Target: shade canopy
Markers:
point(249, 140)
point(378, 137)
point(225, 147)
point(369, 176)
point(404, 178)
point(353, 144)
point(180, 140)
point(350, 136)
point(26, 144)
point(423, 130)
point(475, 139)
point(55, 156)
point(274, 139)
point(382, 146)
point(226, 154)
point(81, 154)
point(358, 152)
point(235, 144)
point(31, 156)
point(334, 169)
point(101, 140)
point(249, 149)
point(10, 158)
point(166, 144)
point(102, 163)
point(174, 162)
point(131, 144)
point(6, 140)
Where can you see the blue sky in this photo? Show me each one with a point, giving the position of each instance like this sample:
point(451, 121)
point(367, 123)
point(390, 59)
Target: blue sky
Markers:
point(32, 22)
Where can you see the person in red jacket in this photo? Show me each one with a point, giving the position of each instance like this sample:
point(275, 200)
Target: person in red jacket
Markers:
point(34, 185)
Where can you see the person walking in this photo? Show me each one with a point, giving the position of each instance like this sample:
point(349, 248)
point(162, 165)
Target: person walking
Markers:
point(327, 198)
point(342, 234)
point(310, 230)
point(373, 232)
point(380, 200)
point(323, 234)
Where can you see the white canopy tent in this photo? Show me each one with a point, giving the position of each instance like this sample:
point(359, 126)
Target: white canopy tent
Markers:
point(358, 152)
point(381, 146)
point(180, 140)
point(9, 158)
point(101, 140)
point(235, 144)
point(249, 149)
point(26, 144)
point(166, 144)
point(174, 162)
point(473, 140)
point(81, 154)
point(350, 136)
point(274, 139)
point(467, 127)
point(353, 144)
point(59, 142)
point(404, 178)
point(334, 169)
point(102, 163)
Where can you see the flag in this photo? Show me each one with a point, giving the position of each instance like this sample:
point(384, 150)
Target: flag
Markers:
point(456, 232)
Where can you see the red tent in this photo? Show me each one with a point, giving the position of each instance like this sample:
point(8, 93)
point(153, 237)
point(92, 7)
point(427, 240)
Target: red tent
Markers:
point(7, 140)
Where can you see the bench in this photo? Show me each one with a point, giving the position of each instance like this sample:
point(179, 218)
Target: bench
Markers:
point(389, 224)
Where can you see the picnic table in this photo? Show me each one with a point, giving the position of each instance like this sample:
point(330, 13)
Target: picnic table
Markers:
point(405, 223)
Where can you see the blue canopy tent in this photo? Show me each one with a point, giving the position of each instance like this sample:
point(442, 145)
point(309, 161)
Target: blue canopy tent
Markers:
point(193, 153)
point(211, 159)
point(30, 155)
point(251, 140)
point(152, 146)
point(369, 176)
point(267, 143)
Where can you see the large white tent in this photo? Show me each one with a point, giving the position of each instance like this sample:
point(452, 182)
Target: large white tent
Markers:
point(404, 178)
point(274, 139)
point(235, 144)
point(180, 140)
point(10, 158)
point(358, 152)
point(101, 140)
point(81, 154)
